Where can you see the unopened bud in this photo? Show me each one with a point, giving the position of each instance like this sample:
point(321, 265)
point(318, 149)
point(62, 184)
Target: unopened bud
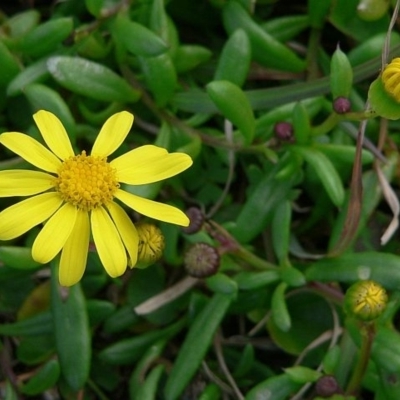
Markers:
point(341, 105)
point(365, 300)
point(327, 386)
point(284, 131)
point(196, 218)
point(201, 260)
point(151, 244)
point(391, 79)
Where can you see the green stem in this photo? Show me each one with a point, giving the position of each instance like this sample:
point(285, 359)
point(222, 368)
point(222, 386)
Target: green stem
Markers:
point(326, 126)
point(313, 46)
point(368, 334)
point(253, 260)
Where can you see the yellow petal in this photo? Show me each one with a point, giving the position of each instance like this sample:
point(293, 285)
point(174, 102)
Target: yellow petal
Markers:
point(127, 231)
point(30, 150)
point(74, 253)
point(112, 134)
point(19, 218)
point(19, 182)
point(148, 164)
point(54, 134)
point(54, 234)
point(108, 243)
point(153, 209)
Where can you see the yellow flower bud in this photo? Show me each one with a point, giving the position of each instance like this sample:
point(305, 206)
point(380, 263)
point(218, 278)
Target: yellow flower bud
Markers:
point(151, 244)
point(365, 300)
point(391, 79)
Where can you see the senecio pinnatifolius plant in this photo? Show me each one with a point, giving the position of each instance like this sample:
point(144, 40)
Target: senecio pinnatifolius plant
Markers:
point(198, 200)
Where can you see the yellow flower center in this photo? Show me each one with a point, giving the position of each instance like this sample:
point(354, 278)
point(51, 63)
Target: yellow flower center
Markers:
point(365, 300)
point(370, 297)
point(86, 182)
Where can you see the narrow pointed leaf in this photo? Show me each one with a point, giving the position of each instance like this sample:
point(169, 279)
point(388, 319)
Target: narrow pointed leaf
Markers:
point(91, 79)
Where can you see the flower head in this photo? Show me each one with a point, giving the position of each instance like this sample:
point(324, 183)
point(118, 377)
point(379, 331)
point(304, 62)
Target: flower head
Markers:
point(365, 300)
point(75, 194)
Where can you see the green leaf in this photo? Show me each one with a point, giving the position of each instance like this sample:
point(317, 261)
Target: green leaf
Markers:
point(160, 76)
point(221, 283)
point(71, 330)
point(188, 57)
point(260, 206)
point(281, 222)
point(285, 28)
point(344, 153)
point(196, 344)
point(265, 49)
point(301, 374)
point(371, 47)
point(325, 170)
point(383, 268)
point(21, 23)
point(136, 386)
point(36, 72)
point(18, 257)
point(276, 388)
point(234, 61)
point(301, 124)
point(292, 276)
point(99, 8)
point(211, 392)
point(99, 310)
point(247, 280)
point(43, 97)
point(305, 327)
point(9, 65)
point(127, 351)
point(43, 380)
point(149, 388)
point(279, 309)
point(39, 324)
point(138, 39)
point(46, 37)
point(91, 79)
point(386, 349)
point(341, 75)
point(234, 105)
point(33, 350)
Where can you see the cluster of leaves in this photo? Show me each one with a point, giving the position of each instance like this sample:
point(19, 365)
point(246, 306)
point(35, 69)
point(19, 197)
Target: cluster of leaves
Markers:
point(212, 79)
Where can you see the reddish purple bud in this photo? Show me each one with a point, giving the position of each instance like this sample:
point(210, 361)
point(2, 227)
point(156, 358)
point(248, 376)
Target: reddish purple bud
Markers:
point(341, 105)
point(201, 260)
point(327, 386)
point(196, 218)
point(284, 131)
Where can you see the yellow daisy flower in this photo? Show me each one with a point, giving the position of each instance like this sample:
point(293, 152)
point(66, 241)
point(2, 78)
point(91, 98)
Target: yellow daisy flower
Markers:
point(75, 195)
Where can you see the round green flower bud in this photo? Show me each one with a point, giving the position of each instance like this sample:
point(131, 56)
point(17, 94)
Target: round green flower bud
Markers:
point(365, 300)
point(151, 244)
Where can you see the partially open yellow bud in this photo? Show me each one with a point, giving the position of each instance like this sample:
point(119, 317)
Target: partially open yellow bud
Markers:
point(365, 300)
point(391, 79)
point(151, 244)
